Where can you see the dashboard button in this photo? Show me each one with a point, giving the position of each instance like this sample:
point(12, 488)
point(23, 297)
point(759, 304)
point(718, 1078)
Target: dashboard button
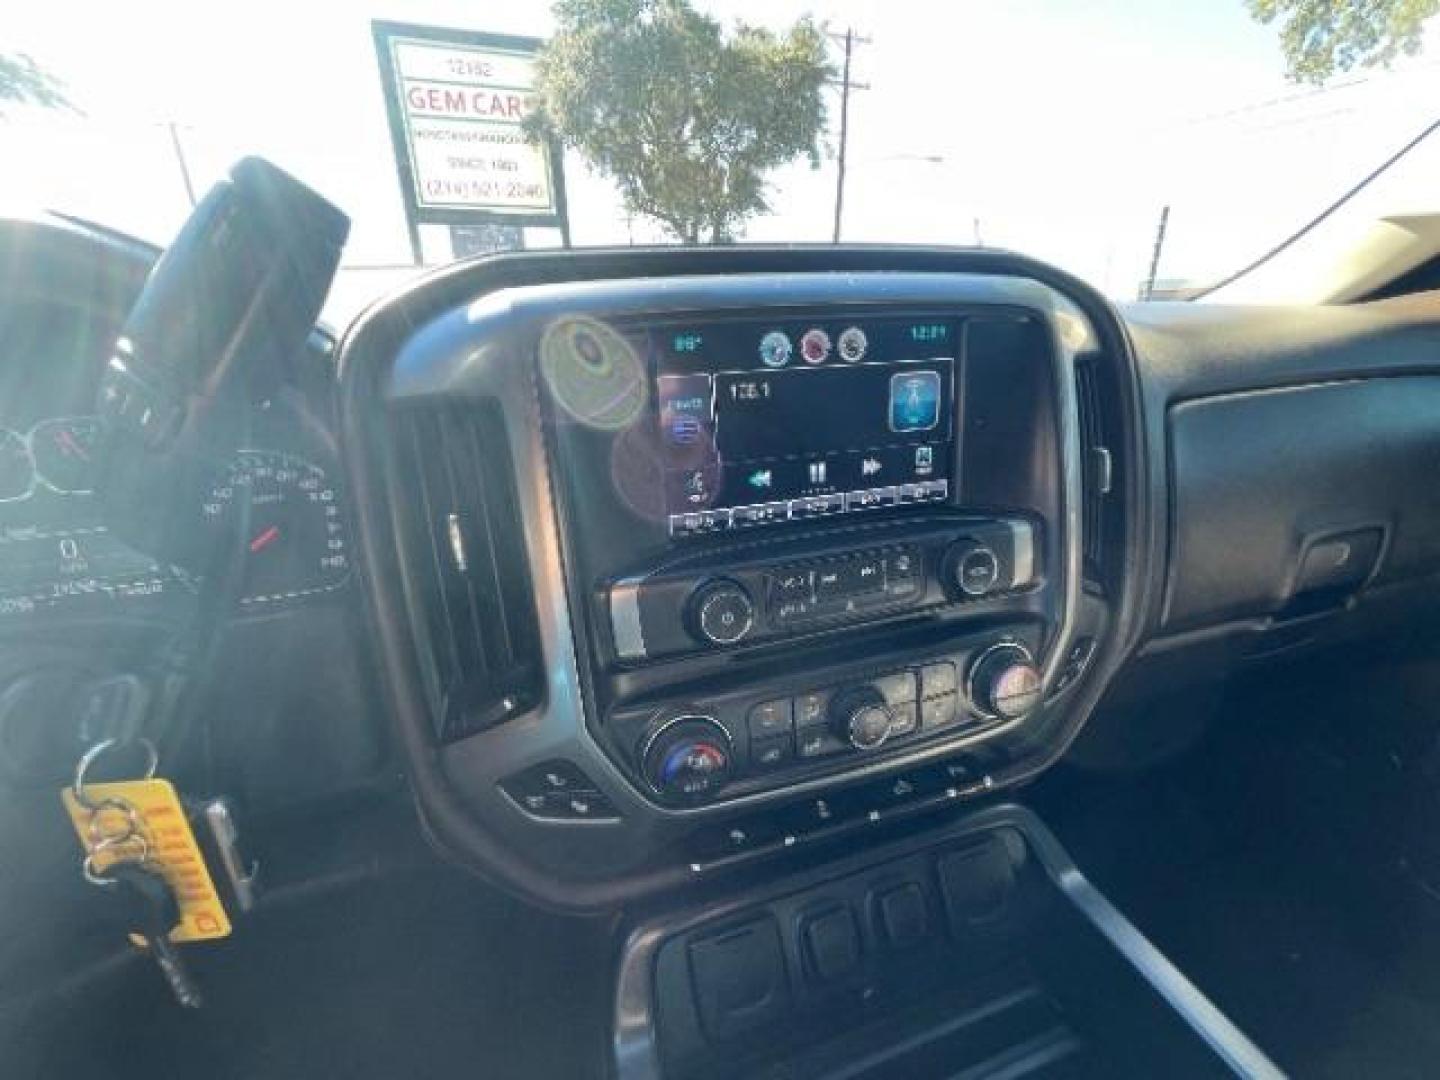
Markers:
point(792, 585)
point(937, 679)
point(817, 742)
point(771, 718)
point(772, 753)
point(831, 582)
point(903, 915)
point(906, 719)
point(939, 711)
point(579, 806)
point(810, 709)
point(896, 688)
point(832, 944)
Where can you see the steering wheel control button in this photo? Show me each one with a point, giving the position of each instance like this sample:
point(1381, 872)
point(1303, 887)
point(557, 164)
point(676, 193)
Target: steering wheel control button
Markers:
point(771, 718)
point(862, 717)
point(772, 753)
point(938, 679)
point(1004, 683)
point(688, 758)
point(722, 613)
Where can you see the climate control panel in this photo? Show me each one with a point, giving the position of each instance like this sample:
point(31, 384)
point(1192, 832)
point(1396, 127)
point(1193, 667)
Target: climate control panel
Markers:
point(702, 751)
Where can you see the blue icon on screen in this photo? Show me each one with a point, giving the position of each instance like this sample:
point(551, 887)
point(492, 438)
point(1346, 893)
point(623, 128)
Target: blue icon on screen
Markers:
point(914, 401)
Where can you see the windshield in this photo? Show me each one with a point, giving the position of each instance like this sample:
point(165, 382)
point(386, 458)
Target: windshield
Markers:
point(1148, 150)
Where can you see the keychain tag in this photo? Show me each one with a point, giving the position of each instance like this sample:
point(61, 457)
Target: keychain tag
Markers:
point(160, 822)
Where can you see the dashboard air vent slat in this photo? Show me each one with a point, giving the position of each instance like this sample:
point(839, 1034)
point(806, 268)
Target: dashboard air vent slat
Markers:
point(462, 547)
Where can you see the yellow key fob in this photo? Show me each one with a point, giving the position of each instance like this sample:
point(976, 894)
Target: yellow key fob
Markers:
point(166, 838)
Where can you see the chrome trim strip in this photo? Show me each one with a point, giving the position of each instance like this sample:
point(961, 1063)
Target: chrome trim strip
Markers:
point(1022, 540)
point(625, 626)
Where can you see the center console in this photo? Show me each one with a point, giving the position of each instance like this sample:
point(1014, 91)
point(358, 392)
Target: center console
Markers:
point(681, 560)
point(798, 485)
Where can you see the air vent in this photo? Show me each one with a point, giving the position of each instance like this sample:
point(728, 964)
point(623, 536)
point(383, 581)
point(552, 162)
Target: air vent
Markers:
point(467, 578)
point(1097, 466)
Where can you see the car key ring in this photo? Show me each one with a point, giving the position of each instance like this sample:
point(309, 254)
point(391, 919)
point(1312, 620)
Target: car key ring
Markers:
point(97, 828)
point(99, 750)
point(105, 878)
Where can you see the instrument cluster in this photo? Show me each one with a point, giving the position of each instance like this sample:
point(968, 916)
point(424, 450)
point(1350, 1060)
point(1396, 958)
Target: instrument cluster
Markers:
point(57, 555)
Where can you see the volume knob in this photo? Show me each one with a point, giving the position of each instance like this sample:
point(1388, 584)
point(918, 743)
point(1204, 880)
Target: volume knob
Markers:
point(721, 612)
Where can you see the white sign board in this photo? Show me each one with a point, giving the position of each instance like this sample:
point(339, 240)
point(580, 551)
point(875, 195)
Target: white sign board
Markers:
point(462, 107)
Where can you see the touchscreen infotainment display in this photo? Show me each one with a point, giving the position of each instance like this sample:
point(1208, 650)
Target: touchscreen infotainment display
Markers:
point(783, 420)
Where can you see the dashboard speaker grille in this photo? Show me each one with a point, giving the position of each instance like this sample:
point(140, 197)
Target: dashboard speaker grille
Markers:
point(467, 578)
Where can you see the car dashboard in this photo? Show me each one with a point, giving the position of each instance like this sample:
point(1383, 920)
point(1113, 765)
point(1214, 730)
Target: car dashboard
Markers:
point(659, 569)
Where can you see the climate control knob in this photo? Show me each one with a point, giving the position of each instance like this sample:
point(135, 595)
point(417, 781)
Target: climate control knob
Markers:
point(721, 612)
point(861, 717)
point(1004, 683)
point(687, 757)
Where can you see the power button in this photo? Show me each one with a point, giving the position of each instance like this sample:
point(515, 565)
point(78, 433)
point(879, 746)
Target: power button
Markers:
point(722, 612)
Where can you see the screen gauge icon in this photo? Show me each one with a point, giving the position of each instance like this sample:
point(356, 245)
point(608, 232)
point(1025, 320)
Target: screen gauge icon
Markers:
point(852, 345)
point(775, 349)
point(815, 346)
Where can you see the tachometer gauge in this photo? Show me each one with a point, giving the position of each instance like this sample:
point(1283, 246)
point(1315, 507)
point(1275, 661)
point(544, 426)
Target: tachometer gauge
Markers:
point(295, 541)
point(63, 449)
point(17, 467)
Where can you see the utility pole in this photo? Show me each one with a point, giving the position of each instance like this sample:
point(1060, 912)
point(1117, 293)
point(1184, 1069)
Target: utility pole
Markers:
point(180, 157)
point(851, 39)
point(1155, 255)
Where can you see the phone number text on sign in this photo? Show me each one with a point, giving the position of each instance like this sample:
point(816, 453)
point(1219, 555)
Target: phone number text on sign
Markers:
point(463, 114)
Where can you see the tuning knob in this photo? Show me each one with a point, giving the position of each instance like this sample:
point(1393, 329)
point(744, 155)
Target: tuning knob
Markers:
point(861, 717)
point(972, 568)
point(686, 757)
point(1004, 683)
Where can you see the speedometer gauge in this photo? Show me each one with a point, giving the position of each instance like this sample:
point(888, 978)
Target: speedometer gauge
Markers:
point(295, 539)
point(63, 449)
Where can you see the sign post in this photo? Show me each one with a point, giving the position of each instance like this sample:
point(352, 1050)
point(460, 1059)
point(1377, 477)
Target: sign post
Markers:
point(456, 101)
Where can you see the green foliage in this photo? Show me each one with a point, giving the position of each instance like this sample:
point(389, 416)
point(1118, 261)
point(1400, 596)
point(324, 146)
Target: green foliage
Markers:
point(24, 82)
point(1322, 37)
point(685, 118)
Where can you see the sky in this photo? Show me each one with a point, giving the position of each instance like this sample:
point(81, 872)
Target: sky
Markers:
point(1060, 128)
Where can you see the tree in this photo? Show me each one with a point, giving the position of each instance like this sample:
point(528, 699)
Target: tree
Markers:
point(1322, 37)
point(22, 81)
point(686, 119)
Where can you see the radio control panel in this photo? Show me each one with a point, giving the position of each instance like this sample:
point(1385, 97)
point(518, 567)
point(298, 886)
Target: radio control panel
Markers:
point(733, 602)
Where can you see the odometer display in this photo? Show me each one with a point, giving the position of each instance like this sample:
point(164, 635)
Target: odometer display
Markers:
point(295, 543)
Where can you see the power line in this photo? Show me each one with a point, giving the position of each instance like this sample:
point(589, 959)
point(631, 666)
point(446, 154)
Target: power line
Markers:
point(846, 84)
point(1365, 182)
